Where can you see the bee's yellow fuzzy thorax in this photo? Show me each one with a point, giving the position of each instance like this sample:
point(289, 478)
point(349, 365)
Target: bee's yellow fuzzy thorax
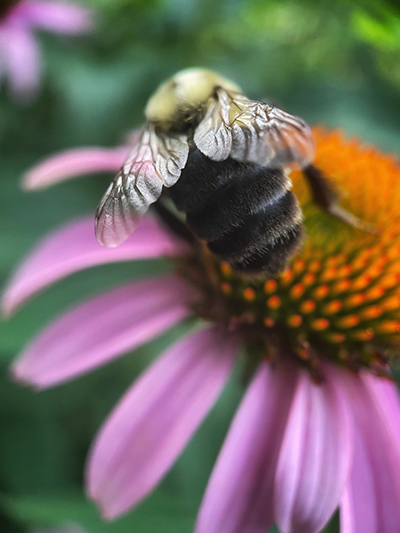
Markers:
point(189, 89)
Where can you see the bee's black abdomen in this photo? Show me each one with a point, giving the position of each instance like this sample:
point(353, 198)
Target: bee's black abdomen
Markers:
point(245, 213)
point(243, 196)
point(259, 232)
point(275, 259)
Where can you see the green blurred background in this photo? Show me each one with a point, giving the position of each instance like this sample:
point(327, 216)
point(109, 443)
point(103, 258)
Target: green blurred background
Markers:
point(333, 63)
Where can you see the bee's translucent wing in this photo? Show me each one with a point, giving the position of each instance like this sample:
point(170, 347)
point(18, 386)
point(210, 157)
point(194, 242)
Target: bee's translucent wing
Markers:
point(213, 135)
point(255, 132)
point(155, 161)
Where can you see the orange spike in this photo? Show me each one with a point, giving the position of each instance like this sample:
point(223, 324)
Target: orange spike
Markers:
point(226, 287)
point(294, 321)
point(374, 293)
point(329, 274)
point(390, 280)
point(249, 294)
point(298, 265)
point(320, 324)
point(341, 286)
point(308, 307)
point(308, 279)
point(348, 321)
point(375, 270)
point(269, 322)
point(363, 335)
point(361, 260)
point(393, 252)
point(361, 282)
point(297, 291)
point(274, 302)
point(392, 303)
point(355, 300)
point(344, 271)
point(335, 338)
point(389, 326)
point(373, 311)
point(226, 269)
point(335, 260)
point(321, 291)
point(314, 265)
point(286, 277)
point(332, 307)
point(270, 286)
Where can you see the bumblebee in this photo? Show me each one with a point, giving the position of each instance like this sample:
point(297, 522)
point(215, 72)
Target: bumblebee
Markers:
point(223, 158)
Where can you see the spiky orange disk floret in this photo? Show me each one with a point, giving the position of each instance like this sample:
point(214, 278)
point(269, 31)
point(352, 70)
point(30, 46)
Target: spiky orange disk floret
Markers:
point(340, 297)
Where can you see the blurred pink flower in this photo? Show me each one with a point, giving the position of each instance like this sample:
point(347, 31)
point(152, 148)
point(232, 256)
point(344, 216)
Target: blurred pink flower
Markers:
point(297, 448)
point(20, 58)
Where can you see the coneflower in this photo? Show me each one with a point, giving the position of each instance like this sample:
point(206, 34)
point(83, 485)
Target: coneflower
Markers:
point(319, 424)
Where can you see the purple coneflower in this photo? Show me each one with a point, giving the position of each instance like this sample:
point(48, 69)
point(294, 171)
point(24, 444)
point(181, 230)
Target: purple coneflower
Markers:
point(319, 425)
point(20, 57)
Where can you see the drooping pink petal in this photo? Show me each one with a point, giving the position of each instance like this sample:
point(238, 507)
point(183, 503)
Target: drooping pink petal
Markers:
point(74, 247)
point(21, 59)
point(58, 17)
point(156, 418)
point(314, 461)
point(359, 508)
point(385, 397)
point(101, 329)
point(371, 501)
point(73, 164)
point(239, 495)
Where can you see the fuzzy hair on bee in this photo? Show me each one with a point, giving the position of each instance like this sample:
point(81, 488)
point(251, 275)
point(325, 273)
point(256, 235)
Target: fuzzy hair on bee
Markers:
point(223, 160)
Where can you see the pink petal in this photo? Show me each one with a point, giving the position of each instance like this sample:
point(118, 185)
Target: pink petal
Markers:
point(385, 397)
point(74, 247)
point(21, 58)
point(101, 329)
point(156, 418)
point(73, 164)
point(358, 510)
point(371, 501)
point(239, 495)
point(314, 461)
point(59, 17)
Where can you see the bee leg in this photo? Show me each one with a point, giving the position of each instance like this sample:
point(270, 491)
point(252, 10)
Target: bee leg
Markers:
point(173, 223)
point(324, 195)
